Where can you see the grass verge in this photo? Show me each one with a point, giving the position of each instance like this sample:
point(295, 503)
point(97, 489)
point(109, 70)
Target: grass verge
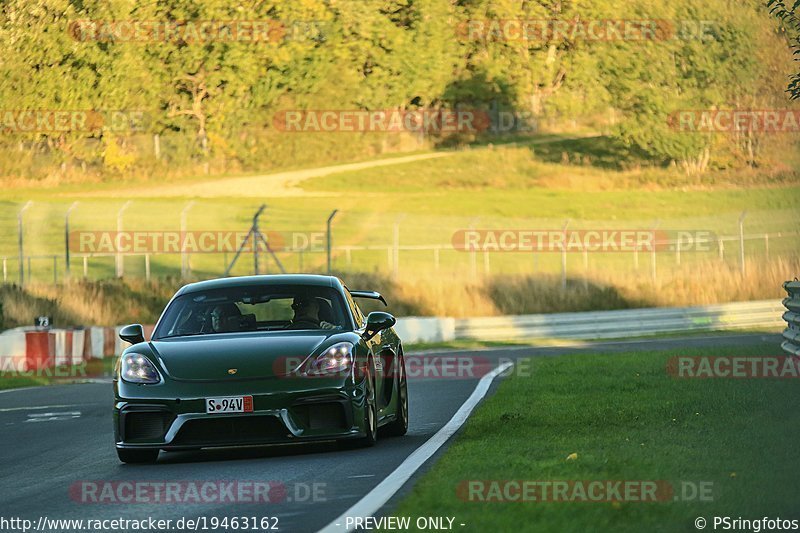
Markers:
point(625, 418)
point(60, 375)
point(475, 344)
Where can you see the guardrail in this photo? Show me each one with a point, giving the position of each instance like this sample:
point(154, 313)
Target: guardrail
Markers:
point(763, 314)
point(31, 348)
point(792, 317)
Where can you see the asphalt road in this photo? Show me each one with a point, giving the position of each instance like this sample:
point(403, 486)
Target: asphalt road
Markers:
point(54, 438)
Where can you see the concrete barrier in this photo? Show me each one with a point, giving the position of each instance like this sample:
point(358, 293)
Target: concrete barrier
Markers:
point(97, 342)
point(109, 341)
point(13, 350)
point(63, 346)
point(39, 350)
point(78, 341)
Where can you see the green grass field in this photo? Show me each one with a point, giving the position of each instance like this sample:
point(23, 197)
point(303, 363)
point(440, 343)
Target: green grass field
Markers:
point(423, 203)
point(537, 184)
point(624, 418)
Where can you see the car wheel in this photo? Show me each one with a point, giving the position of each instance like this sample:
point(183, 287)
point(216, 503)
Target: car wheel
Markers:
point(371, 411)
point(399, 426)
point(137, 456)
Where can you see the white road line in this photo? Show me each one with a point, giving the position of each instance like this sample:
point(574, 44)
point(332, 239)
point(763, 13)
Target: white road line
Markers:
point(377, 497)
point(48, 417)
point(4, 391)
point(7, 409)
point(67, 413)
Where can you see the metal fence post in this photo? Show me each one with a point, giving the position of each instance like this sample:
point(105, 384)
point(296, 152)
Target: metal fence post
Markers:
point(585, 268)
point(184, 256)
point(741, 240)
point(396, 248)
point(120, 265)
point(254, 232)
point(20, 229)
point(329, 237)
point(473, 259)
point(564, 257)
point(653, 251)
point(66, 236)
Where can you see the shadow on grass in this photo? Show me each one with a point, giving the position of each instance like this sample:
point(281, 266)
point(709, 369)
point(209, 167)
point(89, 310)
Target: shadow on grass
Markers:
point(599, 151)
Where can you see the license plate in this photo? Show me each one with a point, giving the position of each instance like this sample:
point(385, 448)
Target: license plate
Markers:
point(229, 404)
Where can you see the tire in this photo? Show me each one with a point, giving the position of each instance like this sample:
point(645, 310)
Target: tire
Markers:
point(137, 456)
point(370, 413)
point(399, 426)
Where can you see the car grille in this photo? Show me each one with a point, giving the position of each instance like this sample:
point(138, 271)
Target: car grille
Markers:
point(146, 426)
point(231, 429)
point(322, 415)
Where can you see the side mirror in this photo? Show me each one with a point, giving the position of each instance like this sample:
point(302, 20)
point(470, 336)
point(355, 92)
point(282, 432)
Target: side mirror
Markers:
point(378, 321)
point(133, 333)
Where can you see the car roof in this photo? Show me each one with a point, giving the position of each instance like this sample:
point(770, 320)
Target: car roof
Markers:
point(275, 280)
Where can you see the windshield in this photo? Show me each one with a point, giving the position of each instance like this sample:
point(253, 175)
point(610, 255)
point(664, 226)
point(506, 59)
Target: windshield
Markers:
point(238, 309)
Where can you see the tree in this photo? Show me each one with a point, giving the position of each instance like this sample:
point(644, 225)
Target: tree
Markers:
point(790, 18)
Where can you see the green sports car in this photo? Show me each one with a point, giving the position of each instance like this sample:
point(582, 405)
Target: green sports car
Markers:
point(259, 360)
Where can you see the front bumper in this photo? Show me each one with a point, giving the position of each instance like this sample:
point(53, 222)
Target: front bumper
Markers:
point(142, 420)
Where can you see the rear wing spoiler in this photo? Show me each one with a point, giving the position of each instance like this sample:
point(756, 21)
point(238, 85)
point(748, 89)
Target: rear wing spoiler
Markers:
point(372, 295)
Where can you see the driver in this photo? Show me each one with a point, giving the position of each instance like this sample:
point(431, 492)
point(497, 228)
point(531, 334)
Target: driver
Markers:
point(221, 317)
point(306, 313)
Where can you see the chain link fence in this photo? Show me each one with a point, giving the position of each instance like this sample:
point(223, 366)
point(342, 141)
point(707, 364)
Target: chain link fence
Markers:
point(47, 242)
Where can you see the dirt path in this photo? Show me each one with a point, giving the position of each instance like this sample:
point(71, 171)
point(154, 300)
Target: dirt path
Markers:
point(279, 184)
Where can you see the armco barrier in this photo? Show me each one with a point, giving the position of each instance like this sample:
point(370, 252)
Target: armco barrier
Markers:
point(791, 334)
point(425, 329)
point(74, 346)
point(623, 323)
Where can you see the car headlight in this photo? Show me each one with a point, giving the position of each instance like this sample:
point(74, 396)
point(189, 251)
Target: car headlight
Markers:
point(136, 368)
point(338, 359)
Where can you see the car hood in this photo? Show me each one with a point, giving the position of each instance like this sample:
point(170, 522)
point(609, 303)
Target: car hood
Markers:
point(236, 356)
